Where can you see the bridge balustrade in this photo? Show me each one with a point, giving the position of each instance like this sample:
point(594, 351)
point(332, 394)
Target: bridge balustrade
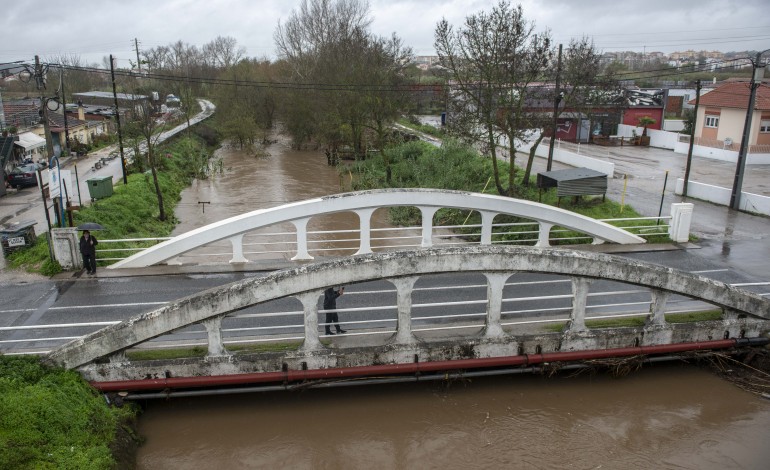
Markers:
point(364, 204)
point(403, 269)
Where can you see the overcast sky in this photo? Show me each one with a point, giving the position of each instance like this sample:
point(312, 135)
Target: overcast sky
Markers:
point(93, 29)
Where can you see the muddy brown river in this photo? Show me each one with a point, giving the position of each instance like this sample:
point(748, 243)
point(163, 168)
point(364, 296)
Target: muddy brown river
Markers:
point(665, 416)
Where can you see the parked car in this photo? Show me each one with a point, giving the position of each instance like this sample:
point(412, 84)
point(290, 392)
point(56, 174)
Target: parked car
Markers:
point(24, 175)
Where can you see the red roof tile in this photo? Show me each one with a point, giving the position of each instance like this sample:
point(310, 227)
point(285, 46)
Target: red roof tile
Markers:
point(736, 95)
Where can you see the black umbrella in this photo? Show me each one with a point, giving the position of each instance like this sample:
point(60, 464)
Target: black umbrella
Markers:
point(90, 226)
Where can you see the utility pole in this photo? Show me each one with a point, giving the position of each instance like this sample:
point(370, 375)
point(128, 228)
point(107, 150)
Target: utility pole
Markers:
point(117, 120)
point(138, 62)
point(40, 83)
point(556, 100)
point(757, 72)
point(64, 103)
point(692, 138)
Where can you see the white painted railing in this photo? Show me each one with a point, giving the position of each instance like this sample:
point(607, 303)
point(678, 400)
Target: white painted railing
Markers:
point(384, 324)
point(335, 242)
point(364, 204)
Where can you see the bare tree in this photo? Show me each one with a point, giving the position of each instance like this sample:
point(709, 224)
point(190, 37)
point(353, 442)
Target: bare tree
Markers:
point(491, 62)
point(585, 86)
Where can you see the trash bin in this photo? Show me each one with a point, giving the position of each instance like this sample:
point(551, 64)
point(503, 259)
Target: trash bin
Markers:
point(100, 188)
point(17, 236)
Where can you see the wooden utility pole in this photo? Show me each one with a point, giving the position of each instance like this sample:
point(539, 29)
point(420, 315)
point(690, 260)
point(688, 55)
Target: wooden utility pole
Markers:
point(117, 120)
point(756, 73)
point(556, 100)
point(692, 138)
point(64, 104)
point(138, 61)
point(40, 83)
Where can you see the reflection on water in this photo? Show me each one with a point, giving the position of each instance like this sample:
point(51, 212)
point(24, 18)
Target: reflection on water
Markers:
point(672, 416)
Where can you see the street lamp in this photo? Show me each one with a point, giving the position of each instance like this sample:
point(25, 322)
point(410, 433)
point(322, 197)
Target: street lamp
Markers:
point(756, 80)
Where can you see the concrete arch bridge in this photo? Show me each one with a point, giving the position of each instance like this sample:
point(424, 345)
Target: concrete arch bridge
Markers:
point(502, 339)
point(365, 203)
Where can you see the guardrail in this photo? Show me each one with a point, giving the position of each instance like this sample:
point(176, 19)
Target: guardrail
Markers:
point(346, 241)
point(385, 322)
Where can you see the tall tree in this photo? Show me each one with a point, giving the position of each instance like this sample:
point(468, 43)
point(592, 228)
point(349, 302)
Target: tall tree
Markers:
point(347, 73)
point(585, 87)
point(491, 61)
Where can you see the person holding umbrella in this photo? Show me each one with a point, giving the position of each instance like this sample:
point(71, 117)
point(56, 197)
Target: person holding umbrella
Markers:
point(88, 244)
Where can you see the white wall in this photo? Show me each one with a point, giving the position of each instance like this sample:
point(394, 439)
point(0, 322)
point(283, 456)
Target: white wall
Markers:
point(749, 201)
point(571, 158)
point(659, 139)
point(721, 154)
point(673, 125)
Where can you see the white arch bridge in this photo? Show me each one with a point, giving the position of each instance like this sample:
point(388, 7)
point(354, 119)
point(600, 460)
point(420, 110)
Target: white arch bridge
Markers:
point(364, 204)
point(101, 357)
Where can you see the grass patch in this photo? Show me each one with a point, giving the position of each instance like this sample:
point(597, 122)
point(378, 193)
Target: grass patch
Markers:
point(689, 317)
point(52, 418)
point(424, 128)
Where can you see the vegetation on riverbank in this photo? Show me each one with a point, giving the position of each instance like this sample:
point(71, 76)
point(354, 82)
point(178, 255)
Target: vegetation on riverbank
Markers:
point(51, 418)
point(458, 167)
point(132, 210)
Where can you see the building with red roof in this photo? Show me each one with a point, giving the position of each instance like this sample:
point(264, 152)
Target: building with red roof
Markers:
point(722, 114)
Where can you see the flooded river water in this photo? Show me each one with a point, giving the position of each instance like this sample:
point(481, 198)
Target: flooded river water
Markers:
point(666, 416)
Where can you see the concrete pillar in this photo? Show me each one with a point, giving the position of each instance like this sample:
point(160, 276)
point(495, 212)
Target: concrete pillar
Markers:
point(66, 248)
point(301, 226)
point(544, 235)
point(577, 319)
point(658, 308)
point(214, 329)
point(237, 242)
point(681, 218)
point(427, 214)
point(365, 215)
point(404, 287)
point(486, 227)
point(495, 285)
point(310, 307)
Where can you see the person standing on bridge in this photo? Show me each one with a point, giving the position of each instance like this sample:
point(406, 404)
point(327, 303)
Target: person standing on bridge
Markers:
point(88, 249)
point(330, 305)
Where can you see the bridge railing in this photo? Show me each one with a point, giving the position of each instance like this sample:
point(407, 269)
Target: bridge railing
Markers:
point(223, 310)
point(363, 204)
point(384, 324)
point(346, 242)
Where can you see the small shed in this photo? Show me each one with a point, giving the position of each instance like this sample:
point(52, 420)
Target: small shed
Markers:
point(573, 182)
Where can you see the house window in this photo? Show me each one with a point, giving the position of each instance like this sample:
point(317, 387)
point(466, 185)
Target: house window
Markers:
point(712, 121)
point(764, 126)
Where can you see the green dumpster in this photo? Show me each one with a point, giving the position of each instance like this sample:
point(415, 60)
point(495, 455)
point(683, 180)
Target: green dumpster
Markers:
point(100, 188)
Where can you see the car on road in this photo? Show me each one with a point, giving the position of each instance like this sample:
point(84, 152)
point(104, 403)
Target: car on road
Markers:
point(24, 175)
